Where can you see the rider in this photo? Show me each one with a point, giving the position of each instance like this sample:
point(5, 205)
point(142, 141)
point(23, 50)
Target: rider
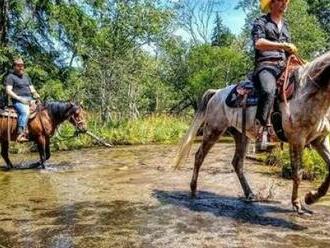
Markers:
point(21, 91)
point(271, 39)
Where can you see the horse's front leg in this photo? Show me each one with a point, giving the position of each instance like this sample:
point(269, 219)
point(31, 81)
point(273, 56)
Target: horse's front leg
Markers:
point(296, 152)
point(47, 148)
point(5, 154)
point(41, 143)
point(322, 147)
point(241, 145)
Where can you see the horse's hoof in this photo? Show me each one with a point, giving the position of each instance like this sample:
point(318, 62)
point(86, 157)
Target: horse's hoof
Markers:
point(251, 198)
point(301, 209)
point(193, 194)
point(310, 197)
point(296, 205)
point(298, 210)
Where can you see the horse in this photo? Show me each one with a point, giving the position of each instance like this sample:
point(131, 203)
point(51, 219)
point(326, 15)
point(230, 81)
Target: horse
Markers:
point(305, 120)
point(42, 127)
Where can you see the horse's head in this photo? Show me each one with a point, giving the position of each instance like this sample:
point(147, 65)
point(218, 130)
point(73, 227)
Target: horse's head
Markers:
point(77, 117)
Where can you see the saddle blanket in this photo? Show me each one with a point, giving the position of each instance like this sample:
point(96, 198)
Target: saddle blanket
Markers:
point(236, 97)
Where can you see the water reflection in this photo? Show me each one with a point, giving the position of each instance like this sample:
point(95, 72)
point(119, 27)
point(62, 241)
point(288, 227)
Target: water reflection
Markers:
point(131, 197)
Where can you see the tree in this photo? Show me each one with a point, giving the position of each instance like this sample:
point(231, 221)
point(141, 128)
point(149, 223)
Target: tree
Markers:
point(321, 9)
point(203, 67)
point(306, 31)
point(93, 50)
point(114, 59)
point(196, 17)
point(221, 34)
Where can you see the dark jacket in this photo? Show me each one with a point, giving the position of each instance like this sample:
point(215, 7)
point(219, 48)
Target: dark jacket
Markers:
point(264, 27)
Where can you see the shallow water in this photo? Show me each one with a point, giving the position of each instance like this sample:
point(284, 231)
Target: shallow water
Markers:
point(131, 197)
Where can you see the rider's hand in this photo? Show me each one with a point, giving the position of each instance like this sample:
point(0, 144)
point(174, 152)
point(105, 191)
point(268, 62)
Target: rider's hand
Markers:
point(36, 95)
point(290, 48)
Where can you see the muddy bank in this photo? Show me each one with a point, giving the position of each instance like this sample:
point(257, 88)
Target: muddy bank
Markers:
point(131, 197)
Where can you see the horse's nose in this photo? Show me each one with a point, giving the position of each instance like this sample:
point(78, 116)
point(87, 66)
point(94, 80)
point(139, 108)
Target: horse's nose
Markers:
point(83, 128)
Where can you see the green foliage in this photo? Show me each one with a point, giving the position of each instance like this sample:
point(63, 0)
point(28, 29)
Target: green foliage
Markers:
point(313, 165)
point(321, 9)
point(214, 67)
point(306, 31)
point(191, 72)
point(154, 129)
point(222, 36)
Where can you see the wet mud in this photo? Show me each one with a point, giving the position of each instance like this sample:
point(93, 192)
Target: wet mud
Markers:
point(132, 197)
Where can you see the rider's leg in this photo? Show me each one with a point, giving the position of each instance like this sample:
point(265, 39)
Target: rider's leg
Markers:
point(266, 96)
point(23, 117)
point(267, 90)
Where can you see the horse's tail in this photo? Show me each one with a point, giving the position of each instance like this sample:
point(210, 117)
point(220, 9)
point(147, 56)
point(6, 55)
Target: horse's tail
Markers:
point(188, 139)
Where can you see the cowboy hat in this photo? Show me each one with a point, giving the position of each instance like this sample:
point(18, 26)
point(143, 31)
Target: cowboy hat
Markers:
point(265, 5)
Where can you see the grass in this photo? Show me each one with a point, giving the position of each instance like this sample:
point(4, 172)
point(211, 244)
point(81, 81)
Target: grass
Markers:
point(314, 168)
point(153, 129)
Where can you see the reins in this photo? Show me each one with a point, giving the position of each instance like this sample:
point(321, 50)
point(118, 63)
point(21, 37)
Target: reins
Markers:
point(286, 75)
point(39, 111)
point(286, 81)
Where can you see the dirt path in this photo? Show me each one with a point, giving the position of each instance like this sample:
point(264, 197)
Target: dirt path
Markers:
point(131, 197)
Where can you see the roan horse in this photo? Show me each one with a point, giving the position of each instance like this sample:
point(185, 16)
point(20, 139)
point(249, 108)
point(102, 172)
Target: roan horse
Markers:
point(41, 127)
point(304, 119)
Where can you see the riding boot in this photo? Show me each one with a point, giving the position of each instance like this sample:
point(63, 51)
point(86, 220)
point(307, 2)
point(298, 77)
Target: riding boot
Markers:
point(263, 114)
point(23, 135)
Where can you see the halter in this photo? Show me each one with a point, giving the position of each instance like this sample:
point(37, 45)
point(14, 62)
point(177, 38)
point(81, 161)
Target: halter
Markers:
point(77, 123)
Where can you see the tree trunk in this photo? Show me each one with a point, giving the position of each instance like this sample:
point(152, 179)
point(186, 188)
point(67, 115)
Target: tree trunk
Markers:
point(133, 110)
point(4, 7)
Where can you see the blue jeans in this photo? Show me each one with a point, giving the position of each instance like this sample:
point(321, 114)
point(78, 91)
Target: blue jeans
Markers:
point(23, 113)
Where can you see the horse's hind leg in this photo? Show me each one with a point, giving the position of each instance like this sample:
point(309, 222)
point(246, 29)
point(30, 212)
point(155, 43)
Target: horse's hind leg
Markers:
point(5, 155)
point(238, 161)
point(323, 149)
point(210, 136)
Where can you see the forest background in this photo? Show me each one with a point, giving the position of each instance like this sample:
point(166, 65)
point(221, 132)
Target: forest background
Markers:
point(138, 79)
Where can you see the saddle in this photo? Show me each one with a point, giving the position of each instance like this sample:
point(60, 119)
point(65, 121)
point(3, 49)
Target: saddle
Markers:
point(235, 99)
point(10, 111)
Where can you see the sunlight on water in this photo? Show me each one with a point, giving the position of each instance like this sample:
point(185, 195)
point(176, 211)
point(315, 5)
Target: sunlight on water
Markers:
point(131, 197)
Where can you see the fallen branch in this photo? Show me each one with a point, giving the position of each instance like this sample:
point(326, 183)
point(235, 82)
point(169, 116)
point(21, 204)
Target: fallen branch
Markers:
point(254, 158)
point(99, 140)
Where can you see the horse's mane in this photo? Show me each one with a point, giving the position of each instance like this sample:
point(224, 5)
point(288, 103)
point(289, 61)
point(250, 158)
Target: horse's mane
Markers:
point(58, 110)
point(313, 68)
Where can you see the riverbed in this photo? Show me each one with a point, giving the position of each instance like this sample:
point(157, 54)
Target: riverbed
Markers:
point(132, 197)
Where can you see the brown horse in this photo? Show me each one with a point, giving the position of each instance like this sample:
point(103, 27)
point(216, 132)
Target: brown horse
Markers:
point(48, 117)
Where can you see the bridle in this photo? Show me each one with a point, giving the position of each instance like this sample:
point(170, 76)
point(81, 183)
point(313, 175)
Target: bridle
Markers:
point(76, 123)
